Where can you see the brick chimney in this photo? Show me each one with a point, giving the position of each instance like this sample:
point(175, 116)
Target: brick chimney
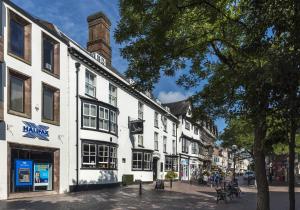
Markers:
point(99, 35)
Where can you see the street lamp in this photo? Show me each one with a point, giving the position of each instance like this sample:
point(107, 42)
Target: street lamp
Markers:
point(234, 149)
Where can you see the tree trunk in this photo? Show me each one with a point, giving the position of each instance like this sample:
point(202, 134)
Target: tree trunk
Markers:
point(292, 165)
point(263, 200)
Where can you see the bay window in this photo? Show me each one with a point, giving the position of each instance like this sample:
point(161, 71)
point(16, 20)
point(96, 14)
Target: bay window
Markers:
point(103, 118)
point(113, 121)
point(100, 155)
point(141, 160)
point(89, 115)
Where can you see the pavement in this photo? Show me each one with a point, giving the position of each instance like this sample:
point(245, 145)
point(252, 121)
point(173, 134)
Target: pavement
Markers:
point(180, 196)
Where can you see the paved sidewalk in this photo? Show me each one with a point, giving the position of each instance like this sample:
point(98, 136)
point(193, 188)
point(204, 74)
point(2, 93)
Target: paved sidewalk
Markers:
point(181, 196)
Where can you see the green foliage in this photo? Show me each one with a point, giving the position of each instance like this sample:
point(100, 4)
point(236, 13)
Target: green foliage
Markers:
point(171, 175)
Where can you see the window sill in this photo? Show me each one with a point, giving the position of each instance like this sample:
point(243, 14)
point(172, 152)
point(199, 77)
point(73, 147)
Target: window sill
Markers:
point(141, 146)
point(95, 169)
point(19, 58)
point(51, 122)
point(50, 73)
point(19, 114)
point(90, 96)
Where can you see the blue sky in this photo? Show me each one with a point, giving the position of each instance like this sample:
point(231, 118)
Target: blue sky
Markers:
point(70, 17)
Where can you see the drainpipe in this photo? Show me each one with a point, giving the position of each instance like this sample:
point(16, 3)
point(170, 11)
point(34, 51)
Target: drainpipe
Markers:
point(77, 65)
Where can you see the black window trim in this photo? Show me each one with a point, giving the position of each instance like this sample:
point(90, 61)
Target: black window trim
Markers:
point(104, 105)
point(172, 157)
point(143, 151)
point(97, 143)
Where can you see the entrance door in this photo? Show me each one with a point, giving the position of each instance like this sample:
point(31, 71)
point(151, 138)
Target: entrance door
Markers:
point(155, 161)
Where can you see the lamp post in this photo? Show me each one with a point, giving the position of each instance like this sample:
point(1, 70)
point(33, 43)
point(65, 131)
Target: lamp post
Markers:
point(234, 149)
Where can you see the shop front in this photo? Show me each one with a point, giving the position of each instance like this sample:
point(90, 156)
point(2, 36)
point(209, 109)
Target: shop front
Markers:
point(32, 169)
point(184, 169)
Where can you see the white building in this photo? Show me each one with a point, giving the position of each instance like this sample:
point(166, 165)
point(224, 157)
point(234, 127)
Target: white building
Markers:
point(220, 159)
point(195, 140)
point(34, 105)
point(107, 144)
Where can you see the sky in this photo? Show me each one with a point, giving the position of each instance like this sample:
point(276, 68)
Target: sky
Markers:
point(70, 17)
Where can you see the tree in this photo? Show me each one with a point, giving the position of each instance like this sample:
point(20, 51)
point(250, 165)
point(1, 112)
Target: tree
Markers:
point(227, 43)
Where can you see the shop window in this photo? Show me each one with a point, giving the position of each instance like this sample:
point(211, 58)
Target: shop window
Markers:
point(88, 155)
point(51, 59)
point(156, 119)
point(89, 115)
point(156, 141)
point(19, 39)
point(112, 95)
point(140, 110)
point(19, 94)
point(50, 104)
point(113, 157)
point(103, 119)
point(90, 83)
point(171, 163)
point(141, 160)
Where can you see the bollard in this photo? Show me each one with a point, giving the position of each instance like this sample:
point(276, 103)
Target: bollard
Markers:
point(171, 182)
point(140, 190)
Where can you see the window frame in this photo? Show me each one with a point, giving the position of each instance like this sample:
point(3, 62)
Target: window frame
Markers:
point(156, 141)
point(27, 37)
point(140, 141)
point(88, 85)
point(56, 105)
point(142, 152)
point(55, 66)
point(89, 115)
point(105, 106)
point(165, 141)
point(156, 117)
point(27, 92)
point(171, 163)
point(187, 125)
point(140, 110)
point(111, 96)
point(107, 120)
point(98, 145)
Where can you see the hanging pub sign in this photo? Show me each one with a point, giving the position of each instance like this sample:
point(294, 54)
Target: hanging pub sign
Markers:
point(32, 130)
point(23, 170)
point(136, 126)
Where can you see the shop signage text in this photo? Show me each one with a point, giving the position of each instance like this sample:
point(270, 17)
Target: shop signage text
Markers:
point(32, 130)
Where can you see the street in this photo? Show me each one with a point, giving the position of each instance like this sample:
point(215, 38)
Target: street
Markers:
point(181, 196)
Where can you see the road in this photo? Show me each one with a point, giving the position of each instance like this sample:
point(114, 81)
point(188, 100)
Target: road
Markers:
point(181, 196)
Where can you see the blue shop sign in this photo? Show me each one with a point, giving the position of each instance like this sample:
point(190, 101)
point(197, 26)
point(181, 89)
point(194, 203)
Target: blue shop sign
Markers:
point(23, 173)
point(32, 130)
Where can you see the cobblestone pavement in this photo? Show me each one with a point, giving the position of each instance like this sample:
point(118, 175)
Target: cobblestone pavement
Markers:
point(181, 196)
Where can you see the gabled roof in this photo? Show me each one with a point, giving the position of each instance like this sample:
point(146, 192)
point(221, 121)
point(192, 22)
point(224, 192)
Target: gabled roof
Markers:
point(179, 107)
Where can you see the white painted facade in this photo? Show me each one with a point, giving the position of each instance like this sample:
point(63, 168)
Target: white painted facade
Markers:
point(11, 128)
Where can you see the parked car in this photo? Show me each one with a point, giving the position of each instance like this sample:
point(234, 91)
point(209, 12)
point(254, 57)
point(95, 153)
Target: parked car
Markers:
point(249, 174)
